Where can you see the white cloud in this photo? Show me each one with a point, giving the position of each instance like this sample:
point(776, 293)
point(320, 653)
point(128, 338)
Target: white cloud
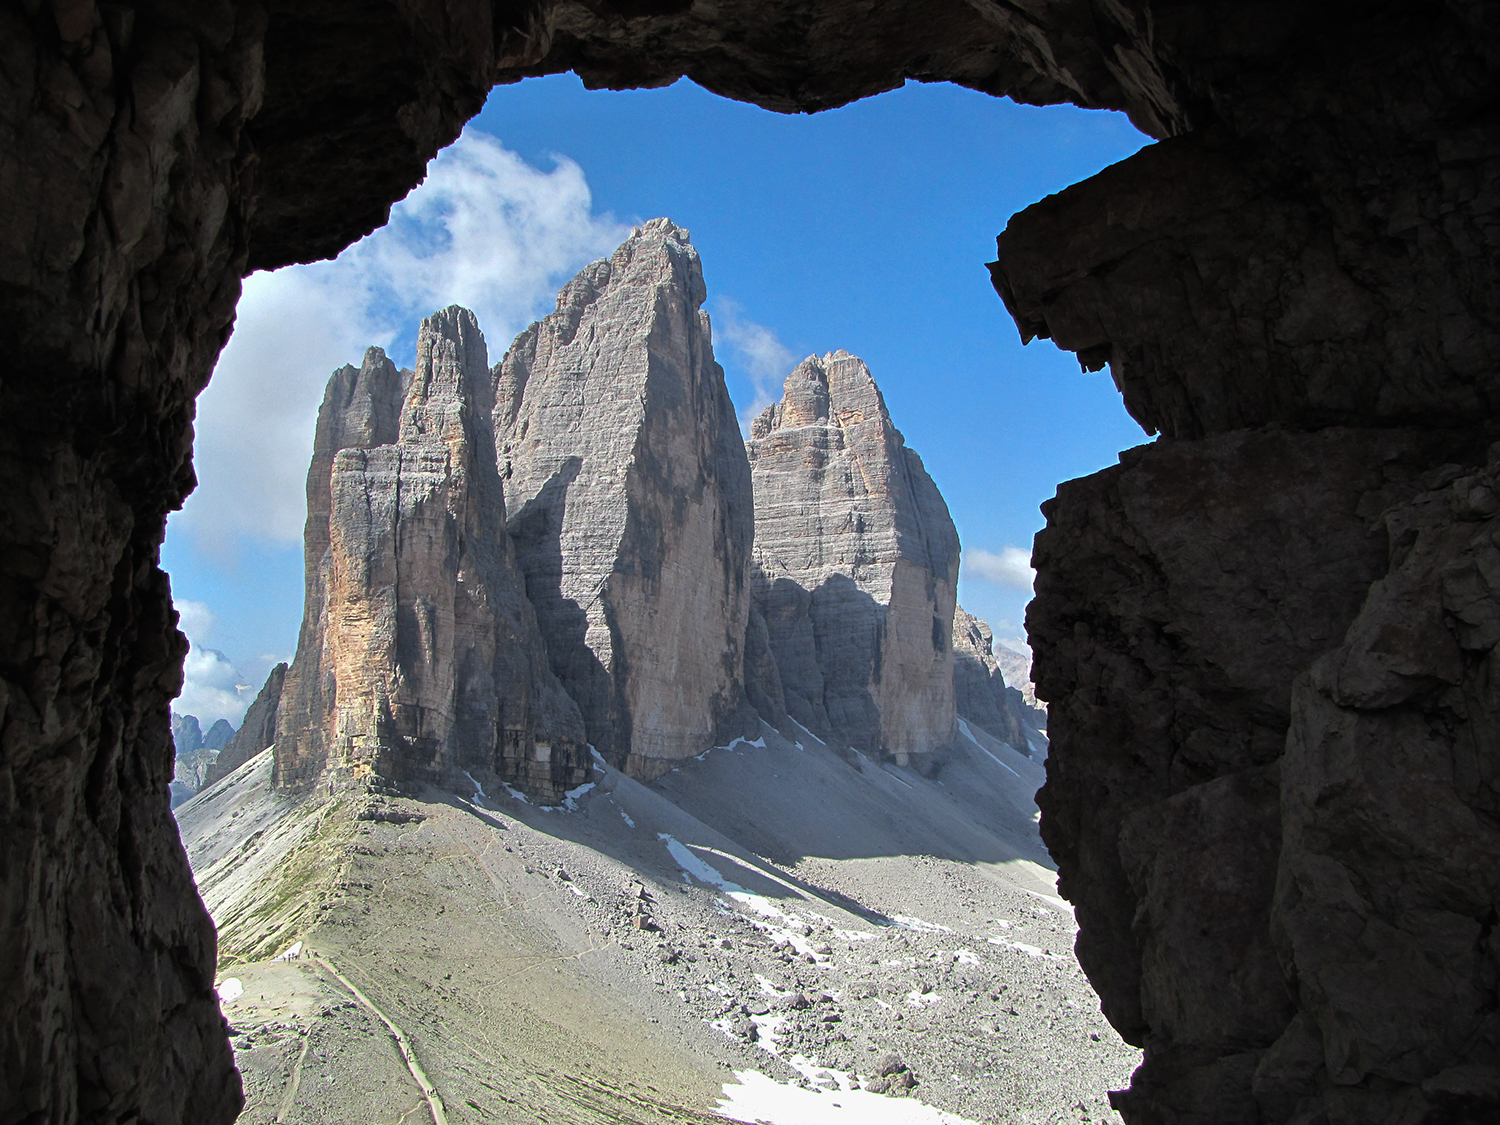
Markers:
point(485, 230)
point(1011, 568)
point(760, 352)
point(211, 688)
point(211, 685)
point(195, 620)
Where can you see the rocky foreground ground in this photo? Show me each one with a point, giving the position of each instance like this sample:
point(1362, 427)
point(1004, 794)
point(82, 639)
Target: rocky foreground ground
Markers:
point(773, 932)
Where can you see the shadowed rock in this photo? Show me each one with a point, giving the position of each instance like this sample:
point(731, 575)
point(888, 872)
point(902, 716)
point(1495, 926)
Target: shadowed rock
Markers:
point(856, 564)
point(629, 495)
point(979, 690)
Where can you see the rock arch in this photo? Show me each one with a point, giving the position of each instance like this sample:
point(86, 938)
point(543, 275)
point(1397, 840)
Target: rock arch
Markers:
point(1296, 287)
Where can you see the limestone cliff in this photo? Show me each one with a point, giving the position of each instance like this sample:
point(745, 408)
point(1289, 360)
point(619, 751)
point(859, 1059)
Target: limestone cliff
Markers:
point(257, 731)
point(856, 564)
point(1016, 667)
point(419, 655)
point(980, 693)
point(628, 495)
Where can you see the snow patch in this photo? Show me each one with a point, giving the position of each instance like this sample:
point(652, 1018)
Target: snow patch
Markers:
point(889, 772)
point(769, 989)
point(479, 793)
point(625, 816)
point(805, 731)
point(516, 793)
point(705, 873)
point(907, 922)
point(1022, 947)
point(753, 1097)
point(230, 989)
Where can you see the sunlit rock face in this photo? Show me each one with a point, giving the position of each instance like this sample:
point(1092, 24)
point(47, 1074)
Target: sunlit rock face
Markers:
point(420, 656)
point(856, 564)
point(980, 693)
point(628, 495)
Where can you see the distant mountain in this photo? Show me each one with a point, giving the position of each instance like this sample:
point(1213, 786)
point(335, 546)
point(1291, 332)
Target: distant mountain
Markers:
point(196, 753)
point(187, 735)
point(256, 734)
point(511, 569)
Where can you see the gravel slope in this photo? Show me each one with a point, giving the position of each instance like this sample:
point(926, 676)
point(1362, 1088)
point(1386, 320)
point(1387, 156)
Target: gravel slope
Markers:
point(769, 913)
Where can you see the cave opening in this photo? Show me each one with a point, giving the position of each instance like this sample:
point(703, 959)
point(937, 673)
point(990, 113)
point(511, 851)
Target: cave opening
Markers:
point(863, 228)
point(1266, 641)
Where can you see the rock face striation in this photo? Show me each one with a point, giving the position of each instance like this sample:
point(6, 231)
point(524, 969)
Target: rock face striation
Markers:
point(980, 693)
point(257, 730)
point(629, 502)
point(856, 565)
point(419, 656)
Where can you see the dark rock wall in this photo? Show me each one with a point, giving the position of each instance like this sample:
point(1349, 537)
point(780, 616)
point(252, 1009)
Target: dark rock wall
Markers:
point(1296, 295)
point(123, 238)
point(129, 180)
point(1313, 247)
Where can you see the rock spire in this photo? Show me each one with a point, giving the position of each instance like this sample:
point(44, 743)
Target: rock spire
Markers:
point(420, 656)
point(856, 564)
point(629, 501)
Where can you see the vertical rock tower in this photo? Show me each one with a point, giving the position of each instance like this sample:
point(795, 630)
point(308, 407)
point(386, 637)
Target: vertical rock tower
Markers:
point(979, 690)
point(856, 564)
point(630, 506)
point(419, 655)
point(257, 732)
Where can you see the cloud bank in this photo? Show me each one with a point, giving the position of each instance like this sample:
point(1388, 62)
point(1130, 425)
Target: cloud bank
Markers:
point(485, 230)
point(1011, 568)
point(211, 685)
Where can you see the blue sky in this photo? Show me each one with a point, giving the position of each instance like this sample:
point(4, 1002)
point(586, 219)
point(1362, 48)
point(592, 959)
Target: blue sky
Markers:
point(864, 228)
